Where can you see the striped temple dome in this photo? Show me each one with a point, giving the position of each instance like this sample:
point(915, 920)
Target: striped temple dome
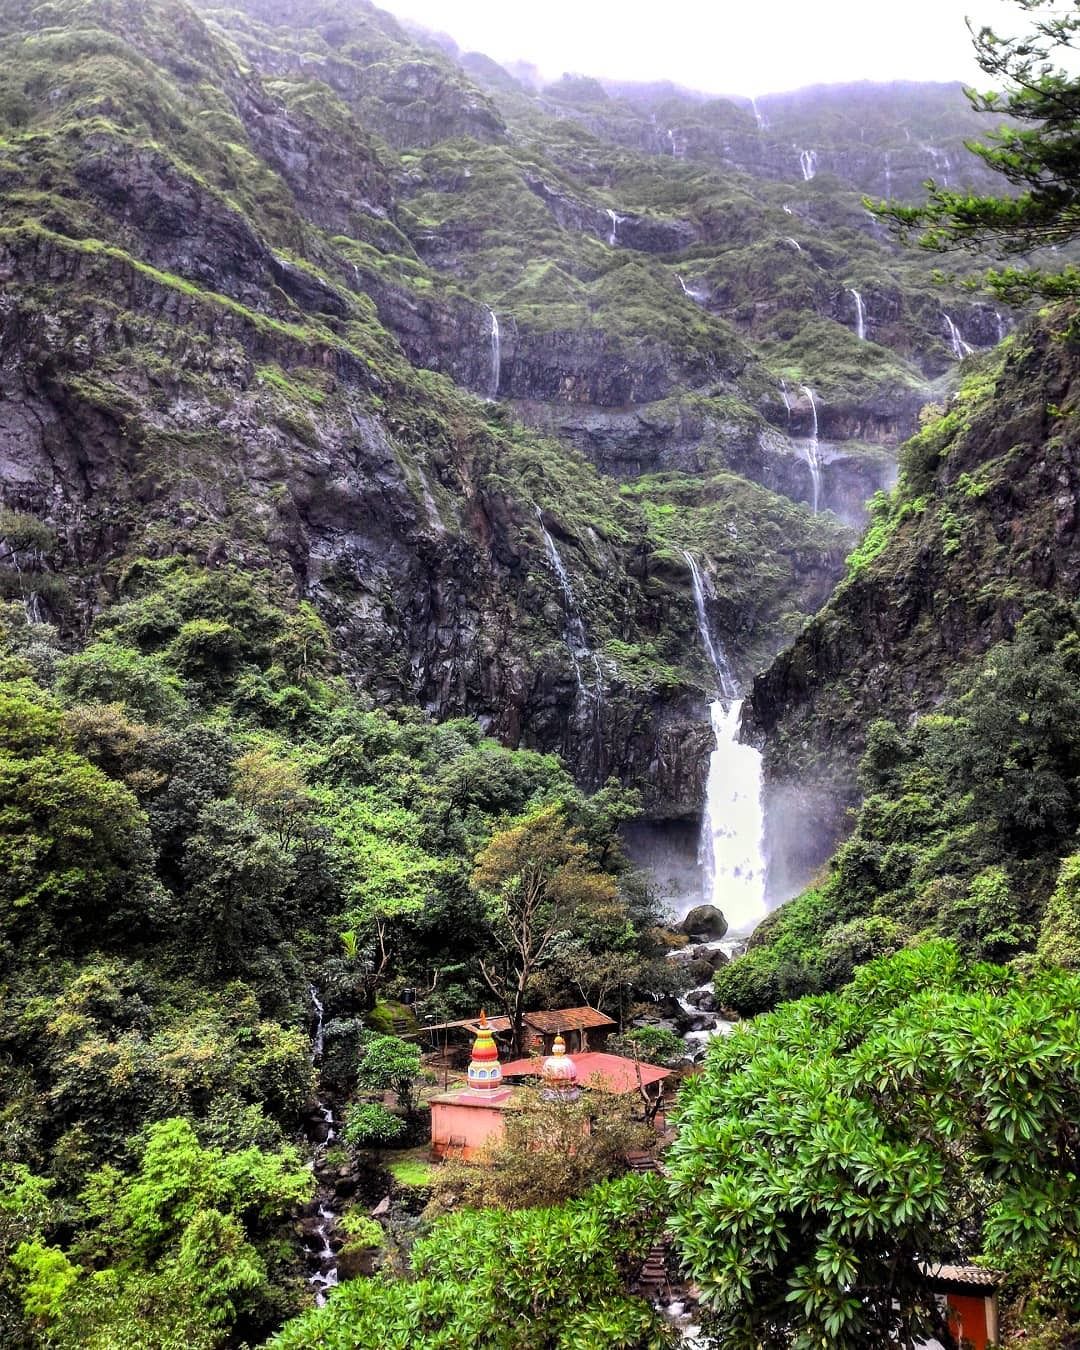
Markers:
point(484, 1070)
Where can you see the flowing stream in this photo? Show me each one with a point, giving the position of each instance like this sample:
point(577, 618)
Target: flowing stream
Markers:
point(322, 1259)
point(808, 164)
point(793, 242)
point(813, 451)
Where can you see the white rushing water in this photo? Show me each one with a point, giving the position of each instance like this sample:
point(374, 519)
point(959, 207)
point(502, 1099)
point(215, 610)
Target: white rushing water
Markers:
point(616, 219)
point(808, 164)
point(786, 397)
point(733, 829)
point(496, 358)
point(733, 825)
point(960, 348)
point(813, 452)
point(1002, 328)
point(888, 174)
point(759, 117)
point(793, 242)
point(860, 314)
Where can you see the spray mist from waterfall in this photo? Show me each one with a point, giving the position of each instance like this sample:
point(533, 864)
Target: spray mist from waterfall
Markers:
point(731, 851)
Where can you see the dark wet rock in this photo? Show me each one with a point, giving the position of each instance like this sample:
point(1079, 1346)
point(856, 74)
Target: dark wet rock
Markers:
point(705, 920)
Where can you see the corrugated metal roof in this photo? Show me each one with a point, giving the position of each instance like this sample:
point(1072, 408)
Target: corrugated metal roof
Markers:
point(499, 1024)
point(613, 1073)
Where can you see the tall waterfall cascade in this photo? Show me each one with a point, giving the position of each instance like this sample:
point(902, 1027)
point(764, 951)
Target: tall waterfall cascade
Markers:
point(960, 348)
point(860, 314)
point(759, 117)
point(808, 164)
point(496, 358)
point(813, 452)
point(616, 220)
point(732, 848)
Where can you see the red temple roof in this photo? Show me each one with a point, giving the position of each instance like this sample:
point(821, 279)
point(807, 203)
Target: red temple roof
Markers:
point(609, 1073)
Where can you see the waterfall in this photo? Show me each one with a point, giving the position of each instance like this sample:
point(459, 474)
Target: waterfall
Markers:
point(813, 453)
point(576, 638)
point(960, 348)
point(939, 156)
point(725, 681)
point(496, 358)
point(761, 120)
point(808, 164)
point(784, 396)
point(323, 1258)
point(860, 314)
point(793, 242)
point(733, 828)
point(733, 823)
point(888, 174)
point(691, 292)
point(613, 237)
point(1002, 326)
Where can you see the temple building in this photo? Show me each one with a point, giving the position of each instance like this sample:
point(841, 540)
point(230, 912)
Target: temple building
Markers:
point(470, 1119)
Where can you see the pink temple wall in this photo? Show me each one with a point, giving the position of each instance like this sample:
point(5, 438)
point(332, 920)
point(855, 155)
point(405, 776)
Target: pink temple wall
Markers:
point(478, 1125)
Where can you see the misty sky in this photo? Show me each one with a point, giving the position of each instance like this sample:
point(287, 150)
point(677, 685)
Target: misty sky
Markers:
point(725, 46)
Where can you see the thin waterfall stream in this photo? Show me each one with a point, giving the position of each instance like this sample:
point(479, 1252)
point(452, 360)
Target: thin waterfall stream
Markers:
point(575, 634)
point(813, 452)
point(960, 348)
point(495, 376)
point(860, 314)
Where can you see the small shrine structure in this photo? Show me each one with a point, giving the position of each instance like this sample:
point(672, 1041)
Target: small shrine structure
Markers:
point(469, 1119)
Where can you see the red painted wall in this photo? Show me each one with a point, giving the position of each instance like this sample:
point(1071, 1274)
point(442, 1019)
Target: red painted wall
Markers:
point(967, 1314)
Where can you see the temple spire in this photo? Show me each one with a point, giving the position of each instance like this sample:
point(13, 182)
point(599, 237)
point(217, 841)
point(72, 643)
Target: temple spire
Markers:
point(484, 1071)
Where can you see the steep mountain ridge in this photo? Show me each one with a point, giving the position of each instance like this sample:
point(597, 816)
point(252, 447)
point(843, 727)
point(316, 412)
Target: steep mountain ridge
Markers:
point(232, 299)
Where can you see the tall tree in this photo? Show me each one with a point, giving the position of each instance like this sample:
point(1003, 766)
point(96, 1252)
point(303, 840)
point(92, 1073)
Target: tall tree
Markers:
point(536, 878)
point(1037, 151)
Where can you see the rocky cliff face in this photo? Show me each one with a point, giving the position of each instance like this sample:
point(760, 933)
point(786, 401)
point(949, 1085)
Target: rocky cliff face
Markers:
point(983, 526)
point(368, 319)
